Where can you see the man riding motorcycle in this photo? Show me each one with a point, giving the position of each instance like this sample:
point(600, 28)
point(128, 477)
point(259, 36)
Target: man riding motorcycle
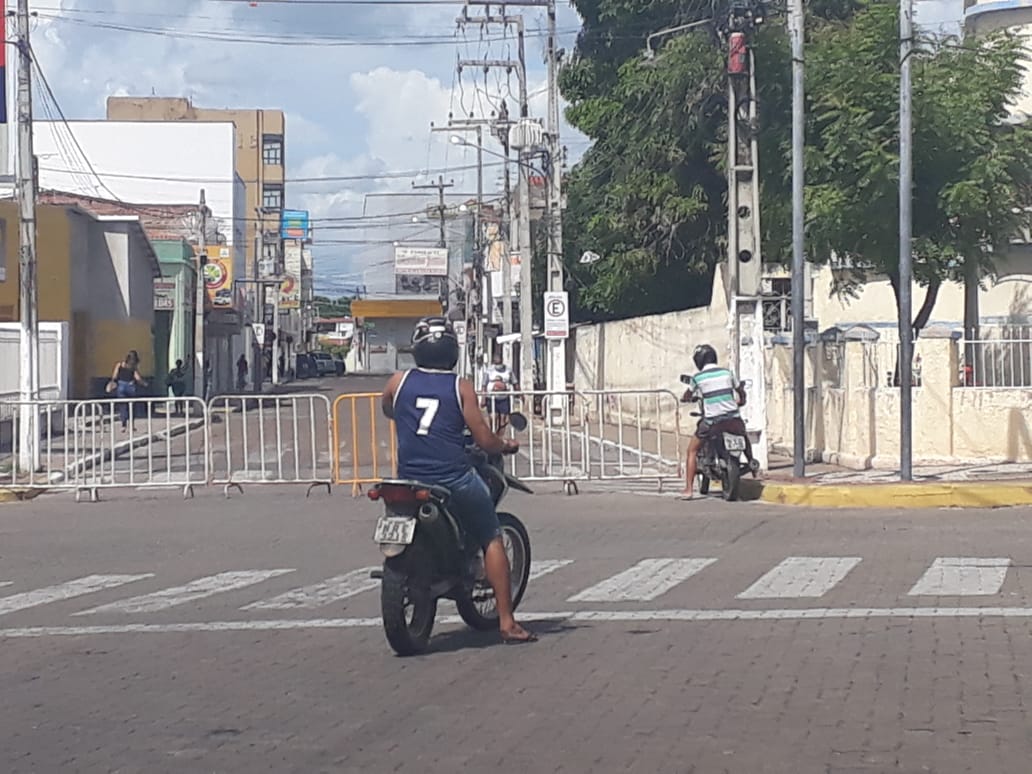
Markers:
point(431, 407)
point(721, 395)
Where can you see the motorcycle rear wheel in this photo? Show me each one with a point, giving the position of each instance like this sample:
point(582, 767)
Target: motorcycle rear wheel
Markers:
point(478, 608)
point(406, 605)
point(730, 480)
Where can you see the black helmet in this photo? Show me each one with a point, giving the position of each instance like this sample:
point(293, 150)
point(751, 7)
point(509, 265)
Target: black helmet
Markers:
point(704, 355)
point(435, 345)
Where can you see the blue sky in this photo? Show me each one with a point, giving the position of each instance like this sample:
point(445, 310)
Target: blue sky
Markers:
point(351, 109)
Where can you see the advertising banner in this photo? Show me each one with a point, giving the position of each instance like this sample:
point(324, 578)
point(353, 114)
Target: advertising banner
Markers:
point(290, 290)
point(218, 277)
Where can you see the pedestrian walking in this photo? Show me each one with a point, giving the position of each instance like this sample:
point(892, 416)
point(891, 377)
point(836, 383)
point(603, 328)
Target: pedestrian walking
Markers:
point(125, 378)
point(241, 373)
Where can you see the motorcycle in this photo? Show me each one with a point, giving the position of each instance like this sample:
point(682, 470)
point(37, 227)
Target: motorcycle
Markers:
point(721, 458)
point(429, 556)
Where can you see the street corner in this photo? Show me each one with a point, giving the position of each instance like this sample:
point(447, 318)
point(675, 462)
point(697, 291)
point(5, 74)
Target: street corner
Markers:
point(896, 495)
point(18, 494)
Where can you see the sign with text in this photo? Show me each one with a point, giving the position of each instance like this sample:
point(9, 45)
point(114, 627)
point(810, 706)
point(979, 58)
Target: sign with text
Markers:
point(421, 261)
point(557, 315)
point(295, 224)
point(290, 290)
point(164, 295)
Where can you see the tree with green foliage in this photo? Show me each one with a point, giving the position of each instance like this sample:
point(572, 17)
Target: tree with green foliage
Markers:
point(649, 195)
point(972, 166)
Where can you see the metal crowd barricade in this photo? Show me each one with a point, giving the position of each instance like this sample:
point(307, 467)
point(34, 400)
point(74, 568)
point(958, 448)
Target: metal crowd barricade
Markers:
point(595, 435)
point(637, 432)
point(139, 443)
point(53, 464)
point(364, 442)
point(270, 439)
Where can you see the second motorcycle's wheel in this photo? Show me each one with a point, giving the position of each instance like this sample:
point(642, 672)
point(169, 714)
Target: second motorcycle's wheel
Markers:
point(478, 609)
point(730, 480)
point(406, 605)
point(703, 484)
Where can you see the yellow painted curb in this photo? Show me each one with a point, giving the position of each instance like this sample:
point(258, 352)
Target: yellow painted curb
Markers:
point(16, 495)
point(960, 494)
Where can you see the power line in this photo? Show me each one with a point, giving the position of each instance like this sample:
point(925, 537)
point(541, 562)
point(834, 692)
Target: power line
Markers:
point(307, 40)
point(389, 175)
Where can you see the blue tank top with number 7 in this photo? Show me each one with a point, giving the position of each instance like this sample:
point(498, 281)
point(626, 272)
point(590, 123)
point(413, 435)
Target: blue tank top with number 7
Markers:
point(430, 424)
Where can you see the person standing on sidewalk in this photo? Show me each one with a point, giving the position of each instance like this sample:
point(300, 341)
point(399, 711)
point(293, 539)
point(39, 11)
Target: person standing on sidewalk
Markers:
point(126, 377)
point(241, 373)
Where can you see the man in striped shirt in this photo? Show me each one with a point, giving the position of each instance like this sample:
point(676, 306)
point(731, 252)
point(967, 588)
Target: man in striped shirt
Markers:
point(720, 394)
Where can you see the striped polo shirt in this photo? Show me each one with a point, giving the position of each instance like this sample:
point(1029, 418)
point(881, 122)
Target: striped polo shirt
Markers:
point(716, 386)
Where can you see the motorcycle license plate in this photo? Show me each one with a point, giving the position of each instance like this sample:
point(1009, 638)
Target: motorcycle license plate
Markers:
point(734, 442)
point(395, 529)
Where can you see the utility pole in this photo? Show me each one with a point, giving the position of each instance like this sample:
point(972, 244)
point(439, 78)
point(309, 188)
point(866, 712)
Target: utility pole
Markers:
point(29, 435)
point(503, 131)
point(796, 25)
point(478, 288)
point(518, 66)
point(556, 278)
point(258, 308)
point(906, 268)
point(440, 186)
point(202, 260)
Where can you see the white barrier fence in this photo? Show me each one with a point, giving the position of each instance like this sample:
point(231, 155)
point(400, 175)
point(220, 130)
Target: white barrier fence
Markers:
point(594, 435)
point(234, 441)
point(270, 439)
point(140, 443)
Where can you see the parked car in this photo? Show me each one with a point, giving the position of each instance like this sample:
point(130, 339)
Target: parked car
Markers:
point(324, 364)
point(305, 367)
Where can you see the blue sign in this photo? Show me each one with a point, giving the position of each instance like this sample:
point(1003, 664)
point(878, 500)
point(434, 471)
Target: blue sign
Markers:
point(295, 224)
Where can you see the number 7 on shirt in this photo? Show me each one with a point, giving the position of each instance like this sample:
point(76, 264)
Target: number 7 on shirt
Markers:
point(429, 407)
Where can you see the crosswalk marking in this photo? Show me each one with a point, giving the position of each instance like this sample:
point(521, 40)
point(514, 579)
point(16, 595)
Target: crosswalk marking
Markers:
point(801, 577)
point(178, 595)
point(648, 579)
point(60, 591)
point(962, 576)
point(319, 594)
point(543, 567)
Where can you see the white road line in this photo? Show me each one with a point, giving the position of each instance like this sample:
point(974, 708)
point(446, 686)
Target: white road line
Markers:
point(962, 576)
point(801, 577)
point(179, 595)
point(643, 582)
point(541, 567)
point(585, 616)
point(73, 588)
point(319, 594)
point(6, 583)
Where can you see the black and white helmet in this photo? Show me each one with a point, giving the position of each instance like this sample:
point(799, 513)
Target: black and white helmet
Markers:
point(435, 345)
point(704, 355)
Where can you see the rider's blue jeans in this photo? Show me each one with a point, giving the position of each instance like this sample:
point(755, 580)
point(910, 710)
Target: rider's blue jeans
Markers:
point(472, 504)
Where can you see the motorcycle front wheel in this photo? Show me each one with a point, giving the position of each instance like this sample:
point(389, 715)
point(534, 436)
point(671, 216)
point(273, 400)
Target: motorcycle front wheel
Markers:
point(477, 608)
point(406, 604)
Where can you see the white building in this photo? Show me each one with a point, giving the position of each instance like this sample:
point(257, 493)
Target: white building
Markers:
point(160, 163)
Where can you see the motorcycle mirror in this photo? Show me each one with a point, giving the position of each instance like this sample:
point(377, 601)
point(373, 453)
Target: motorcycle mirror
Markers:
point(686, 379)
point(518, 422)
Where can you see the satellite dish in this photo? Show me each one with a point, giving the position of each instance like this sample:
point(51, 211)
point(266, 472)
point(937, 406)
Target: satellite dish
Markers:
point(590, 257)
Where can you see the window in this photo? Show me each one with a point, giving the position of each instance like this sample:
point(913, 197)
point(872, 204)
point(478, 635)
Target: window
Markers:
point(272, 197)
point(272, 150)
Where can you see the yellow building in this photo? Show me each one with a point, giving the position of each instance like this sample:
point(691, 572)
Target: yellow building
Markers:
point(383, 332)
point(260, 157)
point(95, 272)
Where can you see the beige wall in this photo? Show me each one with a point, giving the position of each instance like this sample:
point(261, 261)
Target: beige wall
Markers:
point(251, 126)
point(853, 418)
point(1005, 298)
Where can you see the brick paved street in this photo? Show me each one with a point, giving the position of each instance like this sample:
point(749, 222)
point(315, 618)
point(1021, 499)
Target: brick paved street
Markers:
point(149, 634)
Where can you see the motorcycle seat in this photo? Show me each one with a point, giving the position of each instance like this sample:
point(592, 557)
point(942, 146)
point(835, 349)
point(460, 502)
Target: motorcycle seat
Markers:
point(438, 491)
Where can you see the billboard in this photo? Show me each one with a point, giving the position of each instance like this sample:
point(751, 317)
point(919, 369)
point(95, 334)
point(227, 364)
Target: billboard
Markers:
point(295, 224)
point(290, 289)
point(421, 261)
point(218, 277)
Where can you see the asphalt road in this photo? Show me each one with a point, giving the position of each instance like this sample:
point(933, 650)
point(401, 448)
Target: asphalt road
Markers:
point(152, 634)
